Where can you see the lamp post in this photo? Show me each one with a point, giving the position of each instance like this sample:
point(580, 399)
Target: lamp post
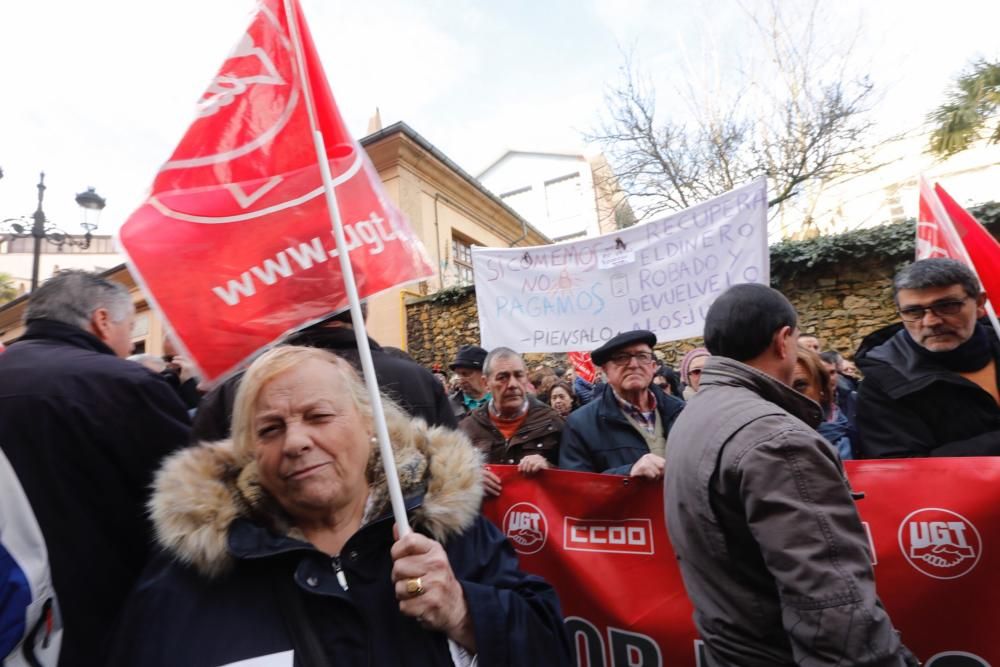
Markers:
point(42, 230)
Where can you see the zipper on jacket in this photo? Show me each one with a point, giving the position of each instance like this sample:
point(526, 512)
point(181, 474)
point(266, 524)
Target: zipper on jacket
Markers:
point(341, 577)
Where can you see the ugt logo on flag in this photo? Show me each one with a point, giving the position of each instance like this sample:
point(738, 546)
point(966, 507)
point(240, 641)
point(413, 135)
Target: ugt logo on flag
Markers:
point(234, 244)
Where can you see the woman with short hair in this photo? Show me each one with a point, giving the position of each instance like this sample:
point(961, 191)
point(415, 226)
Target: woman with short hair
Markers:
point(280, 542)
point(812, 379)
point(562, 399)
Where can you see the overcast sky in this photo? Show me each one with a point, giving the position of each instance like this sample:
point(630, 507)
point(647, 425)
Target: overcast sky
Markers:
point(99, 92)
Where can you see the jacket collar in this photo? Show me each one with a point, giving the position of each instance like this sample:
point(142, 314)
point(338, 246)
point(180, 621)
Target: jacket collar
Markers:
point(608, 407)
point(537, 412)
point(43, 329)
point(203, 492)
point(249, 540)
point(725, 372)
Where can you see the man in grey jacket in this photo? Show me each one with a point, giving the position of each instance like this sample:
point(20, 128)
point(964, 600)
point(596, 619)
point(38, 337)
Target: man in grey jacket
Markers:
point(760, 514)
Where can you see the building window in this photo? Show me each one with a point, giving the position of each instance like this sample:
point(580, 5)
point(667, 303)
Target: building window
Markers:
point(515, 195)
point(894, 203)
point(564, 198)
point(522, 201)
point(461, 257)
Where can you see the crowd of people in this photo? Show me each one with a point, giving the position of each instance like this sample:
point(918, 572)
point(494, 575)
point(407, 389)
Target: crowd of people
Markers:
point(268, 530)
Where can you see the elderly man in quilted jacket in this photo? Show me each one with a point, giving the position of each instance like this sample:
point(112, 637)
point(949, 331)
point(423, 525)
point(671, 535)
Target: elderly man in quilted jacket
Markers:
point(760, 514)
point(512, 427)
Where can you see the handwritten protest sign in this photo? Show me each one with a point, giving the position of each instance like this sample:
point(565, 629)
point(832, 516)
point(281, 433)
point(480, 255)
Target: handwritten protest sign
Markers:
point(662, 276)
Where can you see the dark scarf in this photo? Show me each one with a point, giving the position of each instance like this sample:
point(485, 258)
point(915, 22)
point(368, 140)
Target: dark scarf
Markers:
point(970, 356)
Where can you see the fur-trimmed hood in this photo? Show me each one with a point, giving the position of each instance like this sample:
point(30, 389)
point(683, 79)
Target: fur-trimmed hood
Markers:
point(200, 491)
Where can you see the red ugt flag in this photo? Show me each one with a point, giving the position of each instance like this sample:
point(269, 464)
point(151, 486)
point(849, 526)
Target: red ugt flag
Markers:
point(933, 239)
point(982, 249)
point(234, 245)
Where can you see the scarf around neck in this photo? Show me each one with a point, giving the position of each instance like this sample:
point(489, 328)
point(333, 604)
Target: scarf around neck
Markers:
point(970, 356)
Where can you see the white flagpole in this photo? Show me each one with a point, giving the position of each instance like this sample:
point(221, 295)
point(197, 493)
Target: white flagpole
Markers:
point(956, 242)
point(360, 332)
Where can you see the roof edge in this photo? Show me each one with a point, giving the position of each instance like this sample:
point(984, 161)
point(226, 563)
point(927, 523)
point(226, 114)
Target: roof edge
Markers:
point(401, 127)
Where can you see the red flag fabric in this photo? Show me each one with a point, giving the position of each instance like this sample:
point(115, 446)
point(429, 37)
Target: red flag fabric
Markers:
point(933, 529)
point(983, 250)
point(583, 366)
point(932, 239)
point(234, 245)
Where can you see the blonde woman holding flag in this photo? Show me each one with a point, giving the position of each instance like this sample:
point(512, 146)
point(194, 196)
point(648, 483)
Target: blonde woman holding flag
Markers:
point(280, 542)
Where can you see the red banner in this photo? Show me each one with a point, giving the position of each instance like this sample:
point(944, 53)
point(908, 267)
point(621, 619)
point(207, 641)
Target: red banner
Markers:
point(234, 245)
point(934, 525)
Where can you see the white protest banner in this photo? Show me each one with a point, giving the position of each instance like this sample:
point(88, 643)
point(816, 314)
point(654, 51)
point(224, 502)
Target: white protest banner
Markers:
point(661, 275)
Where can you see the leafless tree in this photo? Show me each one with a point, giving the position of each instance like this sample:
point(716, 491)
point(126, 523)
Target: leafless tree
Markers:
point(797, 115)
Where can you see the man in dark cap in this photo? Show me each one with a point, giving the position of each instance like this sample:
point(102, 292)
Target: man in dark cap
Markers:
point(623, 430)
point(472, 391)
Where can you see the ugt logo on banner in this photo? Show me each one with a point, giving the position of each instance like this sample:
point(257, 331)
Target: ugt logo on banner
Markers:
point(940, 543)
point(526, 527)
point(234, 245)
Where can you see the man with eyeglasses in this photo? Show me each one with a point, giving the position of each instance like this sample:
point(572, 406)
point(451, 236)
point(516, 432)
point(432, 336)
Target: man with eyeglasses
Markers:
point(930, 386)
point(623, 430)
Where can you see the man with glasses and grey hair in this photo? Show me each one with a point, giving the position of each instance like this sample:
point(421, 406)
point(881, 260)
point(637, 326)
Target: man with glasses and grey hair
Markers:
point(930, 382)
point(623, 430)
point(84, 430)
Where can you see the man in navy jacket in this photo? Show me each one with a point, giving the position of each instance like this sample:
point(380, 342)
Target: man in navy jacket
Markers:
point(623, 430)
point(84, 430)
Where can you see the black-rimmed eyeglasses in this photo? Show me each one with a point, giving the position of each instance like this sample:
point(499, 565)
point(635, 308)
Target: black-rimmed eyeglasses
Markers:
point(941, 309)
point(625, 358)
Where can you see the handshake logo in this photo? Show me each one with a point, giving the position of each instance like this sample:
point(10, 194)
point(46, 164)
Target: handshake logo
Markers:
point(525, 526)
point(940, 543)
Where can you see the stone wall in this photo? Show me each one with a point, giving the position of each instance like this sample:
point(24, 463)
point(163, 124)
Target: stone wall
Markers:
point(841, 303)
point(437, 325)
point(845, 303)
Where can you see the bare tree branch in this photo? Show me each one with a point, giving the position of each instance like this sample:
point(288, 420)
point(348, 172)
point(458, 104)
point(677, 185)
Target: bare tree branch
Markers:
point(804, 123)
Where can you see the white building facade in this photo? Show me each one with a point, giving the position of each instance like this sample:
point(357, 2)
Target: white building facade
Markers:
point(564, 195)
point(890, 193)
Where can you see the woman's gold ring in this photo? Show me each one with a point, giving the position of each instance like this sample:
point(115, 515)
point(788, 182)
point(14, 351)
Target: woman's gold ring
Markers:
point(414, 587)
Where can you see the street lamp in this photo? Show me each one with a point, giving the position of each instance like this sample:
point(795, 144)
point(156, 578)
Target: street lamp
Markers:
point(42, 230)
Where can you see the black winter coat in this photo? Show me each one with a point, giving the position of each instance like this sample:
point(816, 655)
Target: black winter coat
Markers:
point(84, 431)
point(408, 383)
point(599, 438)
point(910, 407)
